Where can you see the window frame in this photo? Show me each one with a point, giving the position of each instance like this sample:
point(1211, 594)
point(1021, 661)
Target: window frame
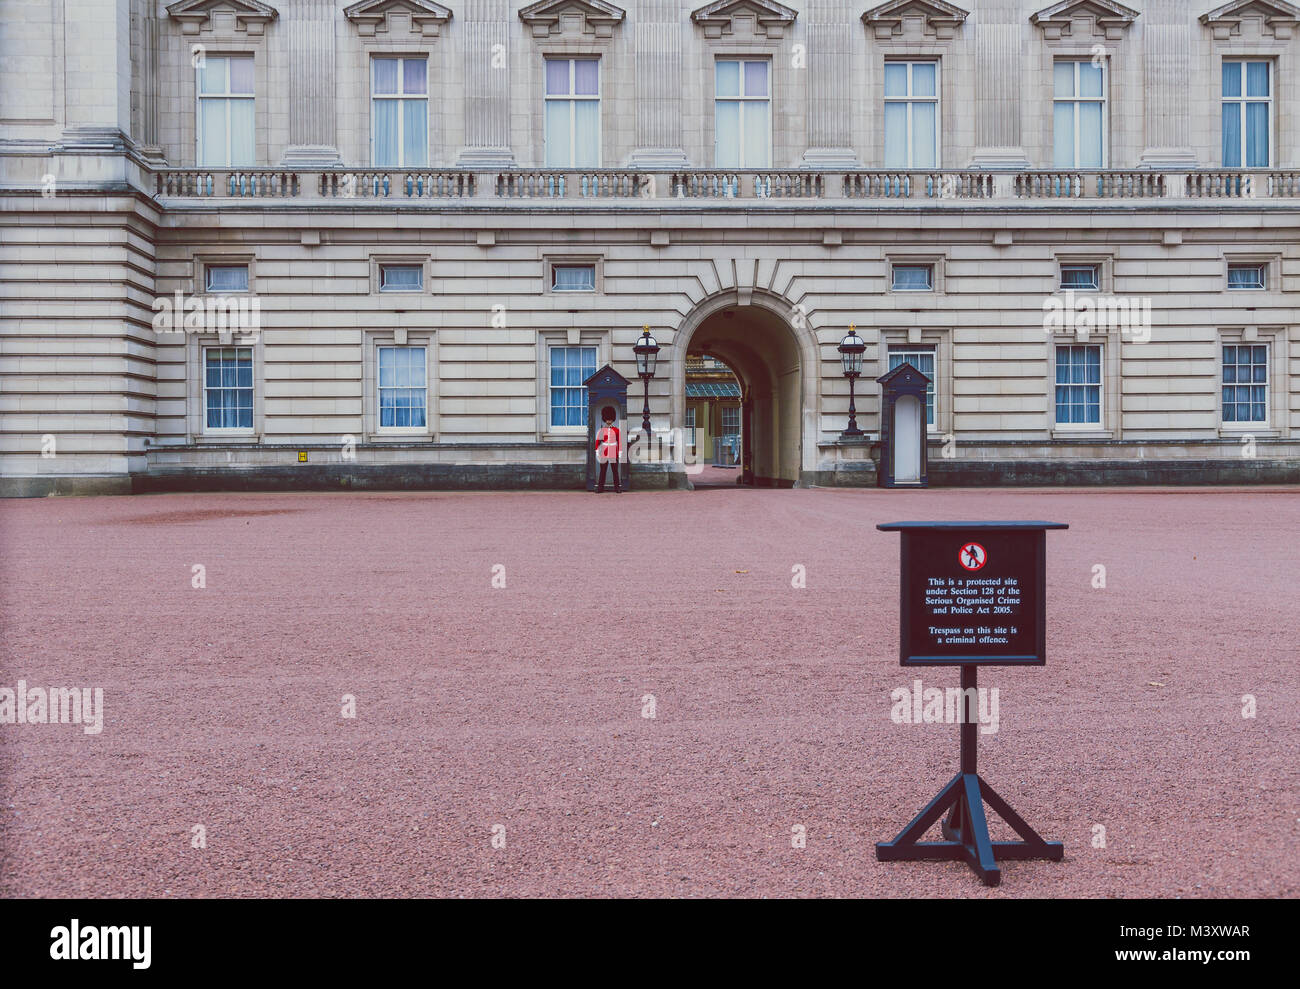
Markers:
point(1081, 427)
point(573, 98)
point(552, 261)
point(400, 97)
point(768, 99)
point(911, 100)
point(555, 267)
point(227, 96)
point(550, 387)
point(1242, 101)
point(1262, 266)
point(1246, 425)
point(373, 341)
point(385, 266)
point(1096, 272)
point(380, 261)
point(1076, 101)
point(204, 388)
point(406, 431)
point(928, 266)
point(210, 266)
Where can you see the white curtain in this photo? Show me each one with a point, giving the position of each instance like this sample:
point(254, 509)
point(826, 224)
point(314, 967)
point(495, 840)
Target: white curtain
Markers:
point(559, 137)
point(757, 138)
point(727, 134)
point(924, 136)
point(415, 133)
point(385, 136)
point(241, 133)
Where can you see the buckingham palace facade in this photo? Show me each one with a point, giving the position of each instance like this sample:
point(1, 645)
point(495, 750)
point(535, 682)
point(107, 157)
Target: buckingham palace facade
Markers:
point(320, 244)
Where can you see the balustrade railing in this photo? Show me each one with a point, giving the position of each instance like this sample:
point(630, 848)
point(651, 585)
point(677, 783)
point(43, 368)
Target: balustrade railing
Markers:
point(916, 187)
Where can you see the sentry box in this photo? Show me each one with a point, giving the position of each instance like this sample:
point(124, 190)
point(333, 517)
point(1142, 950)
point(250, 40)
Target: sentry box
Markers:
point(972, 594)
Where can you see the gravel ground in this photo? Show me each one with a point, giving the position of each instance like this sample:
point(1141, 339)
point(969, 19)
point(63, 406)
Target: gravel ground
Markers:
point(522, 707)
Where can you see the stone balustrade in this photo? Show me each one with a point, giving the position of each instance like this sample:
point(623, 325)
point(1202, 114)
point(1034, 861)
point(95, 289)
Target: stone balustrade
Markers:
point(718, 186)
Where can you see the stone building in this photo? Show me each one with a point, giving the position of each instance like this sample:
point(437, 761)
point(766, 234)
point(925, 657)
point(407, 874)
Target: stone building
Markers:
point(296, 243)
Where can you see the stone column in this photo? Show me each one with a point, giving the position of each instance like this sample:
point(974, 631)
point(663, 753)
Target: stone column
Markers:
point(999, 28)
point(829, 30)
point(657, 40)
point(309, 43)
point(1167, 27)
point(485, 39)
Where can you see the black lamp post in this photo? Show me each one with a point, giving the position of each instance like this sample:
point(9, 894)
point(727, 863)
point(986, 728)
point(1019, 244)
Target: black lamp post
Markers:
point(851, 349)
point(647, 352)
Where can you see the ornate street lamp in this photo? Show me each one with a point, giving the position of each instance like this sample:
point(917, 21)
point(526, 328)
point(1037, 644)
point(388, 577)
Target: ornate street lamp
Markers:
point(647, 352)
point(851, 349)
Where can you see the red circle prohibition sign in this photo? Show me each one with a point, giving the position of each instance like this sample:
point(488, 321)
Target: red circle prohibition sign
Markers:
point(973, 556)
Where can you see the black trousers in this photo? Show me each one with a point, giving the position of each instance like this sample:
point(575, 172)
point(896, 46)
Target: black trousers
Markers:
point(600, 485)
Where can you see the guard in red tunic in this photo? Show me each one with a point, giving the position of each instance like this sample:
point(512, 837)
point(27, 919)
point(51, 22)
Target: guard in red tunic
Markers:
point(608, 447)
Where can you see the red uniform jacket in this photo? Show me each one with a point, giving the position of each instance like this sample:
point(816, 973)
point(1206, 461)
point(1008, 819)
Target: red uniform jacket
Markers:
point(608, 444)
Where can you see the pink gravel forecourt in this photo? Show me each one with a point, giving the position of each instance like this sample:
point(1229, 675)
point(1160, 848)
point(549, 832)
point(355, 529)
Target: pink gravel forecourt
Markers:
point(524, 706)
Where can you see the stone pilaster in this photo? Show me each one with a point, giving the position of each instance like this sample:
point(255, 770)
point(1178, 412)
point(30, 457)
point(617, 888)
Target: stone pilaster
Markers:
point(999, 28)
point(1167, 27)
point(310, 31)
point(486, 29)
point(657, 39)
point(829, 31)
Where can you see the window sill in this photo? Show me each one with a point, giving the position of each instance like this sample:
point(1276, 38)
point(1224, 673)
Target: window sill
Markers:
point(1093, 433)
point(217, 436)
point(400, 436)
point(1237, 430)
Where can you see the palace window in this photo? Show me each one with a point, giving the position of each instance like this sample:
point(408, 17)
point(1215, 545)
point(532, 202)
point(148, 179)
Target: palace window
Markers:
point(730, 420)
point(225, 123)
point(572, 113)
point(399, 112)
point(1245, 383)
point(1080, 277)
point(225, 278)
point(911, 114)
point(228, 388)
point(1079, 115)
point(1247, 114)
point(570, 367)
point(912, 277)
point(401, 278)
point(403, 390)
point(573, 278)
point(742, 114)
point(1078, 385)
point(1247, 276)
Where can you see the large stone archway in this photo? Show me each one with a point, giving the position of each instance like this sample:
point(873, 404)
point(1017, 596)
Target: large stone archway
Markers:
point(777, 364)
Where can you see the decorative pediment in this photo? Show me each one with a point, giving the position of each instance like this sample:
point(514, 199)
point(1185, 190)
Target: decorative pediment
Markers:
point(930, 18)
point(1271, 17)
point(1085, 20)
point(249, 16)
point(395, 17)
point(572, 18)
point(761, 18)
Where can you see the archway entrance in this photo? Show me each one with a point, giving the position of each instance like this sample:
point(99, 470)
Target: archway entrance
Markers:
point(774, 366)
